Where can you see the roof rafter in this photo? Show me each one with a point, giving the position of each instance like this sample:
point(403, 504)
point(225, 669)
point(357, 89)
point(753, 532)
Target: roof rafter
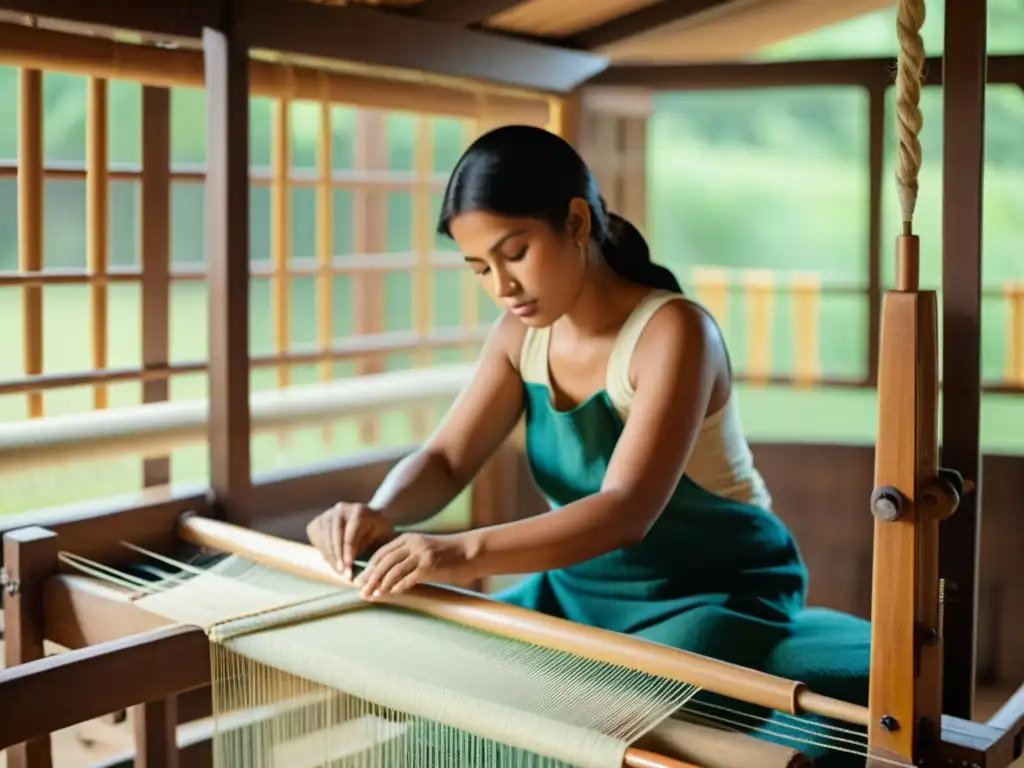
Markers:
point(155, 18)
point(355, 33)
point(466, 13)
point(372, 36)
point(640, 21)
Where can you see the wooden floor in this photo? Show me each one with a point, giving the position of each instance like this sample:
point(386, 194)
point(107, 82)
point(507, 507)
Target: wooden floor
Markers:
point(82, 746)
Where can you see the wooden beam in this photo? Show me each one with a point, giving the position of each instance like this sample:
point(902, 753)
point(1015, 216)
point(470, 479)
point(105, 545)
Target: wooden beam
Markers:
point(853, 72)
point(368, 35)
point(1010, 716)
point(966, 743)
point(463, 12)
point(641, 21)
point(185, 20)
point(95, 529)
point(964, 74)
point(100, 679)
point(52, 51)
point(226, 59)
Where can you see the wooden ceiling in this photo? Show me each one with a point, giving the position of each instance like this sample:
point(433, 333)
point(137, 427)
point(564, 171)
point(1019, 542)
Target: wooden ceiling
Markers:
point(549, 46)
point(641, 31)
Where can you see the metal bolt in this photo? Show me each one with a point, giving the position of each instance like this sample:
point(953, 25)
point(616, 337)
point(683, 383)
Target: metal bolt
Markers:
point(886, 503)
point(888, 723)
point(9, 585)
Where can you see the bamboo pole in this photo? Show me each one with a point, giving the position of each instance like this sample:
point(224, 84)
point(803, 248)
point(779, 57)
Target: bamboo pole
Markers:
point(157, 428)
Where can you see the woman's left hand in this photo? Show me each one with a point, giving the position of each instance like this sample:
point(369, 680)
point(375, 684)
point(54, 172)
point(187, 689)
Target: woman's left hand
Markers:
point(412, 558)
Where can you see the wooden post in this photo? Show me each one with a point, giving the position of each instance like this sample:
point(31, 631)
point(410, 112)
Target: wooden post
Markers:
point(876, 166)
point(30, 558)
point(964, 75)
point(155, 247)
point(97, 227)
point(31, 229)
point(155, 725)
point(226, 61)
point(613, 131)
point(370, 239)
point(422, 271)
point(566, 118)
point(910, 499)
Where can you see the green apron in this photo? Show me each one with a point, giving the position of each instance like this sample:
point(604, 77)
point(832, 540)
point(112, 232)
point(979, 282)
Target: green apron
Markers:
point(713, 576)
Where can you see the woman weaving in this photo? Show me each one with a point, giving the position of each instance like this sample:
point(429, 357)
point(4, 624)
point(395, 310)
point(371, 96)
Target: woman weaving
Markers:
point(660, 525)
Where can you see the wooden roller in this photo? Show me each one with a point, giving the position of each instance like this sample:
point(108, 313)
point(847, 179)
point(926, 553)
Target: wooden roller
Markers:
point(511, 621)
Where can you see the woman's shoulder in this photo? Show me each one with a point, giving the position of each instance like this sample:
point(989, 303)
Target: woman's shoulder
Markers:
point(508, 334)
point(678, 328)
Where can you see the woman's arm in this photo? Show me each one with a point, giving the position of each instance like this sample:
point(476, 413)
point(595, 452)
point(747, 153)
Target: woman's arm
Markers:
point(677, 361)
point(429, 479)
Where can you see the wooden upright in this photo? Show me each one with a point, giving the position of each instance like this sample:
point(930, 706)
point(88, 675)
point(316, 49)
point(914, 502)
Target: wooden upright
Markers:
point(912, 495)
point(905, 699)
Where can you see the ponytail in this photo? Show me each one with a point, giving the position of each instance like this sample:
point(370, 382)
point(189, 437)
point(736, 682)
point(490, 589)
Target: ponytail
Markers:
point(625, 251)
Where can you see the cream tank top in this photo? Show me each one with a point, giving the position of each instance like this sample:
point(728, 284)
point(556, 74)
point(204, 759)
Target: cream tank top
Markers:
point(721, 461)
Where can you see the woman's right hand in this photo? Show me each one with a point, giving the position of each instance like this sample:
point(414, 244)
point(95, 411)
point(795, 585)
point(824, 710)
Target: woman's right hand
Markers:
point(345, 530)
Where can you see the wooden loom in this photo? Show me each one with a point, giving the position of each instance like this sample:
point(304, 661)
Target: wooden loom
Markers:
point(130, 656)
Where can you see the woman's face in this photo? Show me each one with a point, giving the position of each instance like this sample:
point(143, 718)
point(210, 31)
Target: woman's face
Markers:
point(527, 267)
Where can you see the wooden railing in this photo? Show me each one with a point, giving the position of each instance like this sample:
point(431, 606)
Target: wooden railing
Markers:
point(158, 429)
point(357, 315)
point(777, 325)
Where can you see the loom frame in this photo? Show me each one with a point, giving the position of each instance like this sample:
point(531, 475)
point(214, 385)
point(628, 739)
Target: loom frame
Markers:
point(34, 609)
point(112, 641)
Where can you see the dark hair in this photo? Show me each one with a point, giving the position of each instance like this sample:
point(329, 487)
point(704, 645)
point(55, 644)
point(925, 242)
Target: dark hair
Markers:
point(528, 172)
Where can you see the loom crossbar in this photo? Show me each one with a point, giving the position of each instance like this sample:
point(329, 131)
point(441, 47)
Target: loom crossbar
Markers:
point(134, 669)
point(487, 615)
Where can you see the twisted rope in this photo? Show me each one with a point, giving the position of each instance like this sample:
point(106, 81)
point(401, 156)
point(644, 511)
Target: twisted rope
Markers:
point(910, 16)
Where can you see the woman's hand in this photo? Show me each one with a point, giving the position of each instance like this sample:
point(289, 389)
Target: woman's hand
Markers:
point(414, 557)
point(345, 530)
